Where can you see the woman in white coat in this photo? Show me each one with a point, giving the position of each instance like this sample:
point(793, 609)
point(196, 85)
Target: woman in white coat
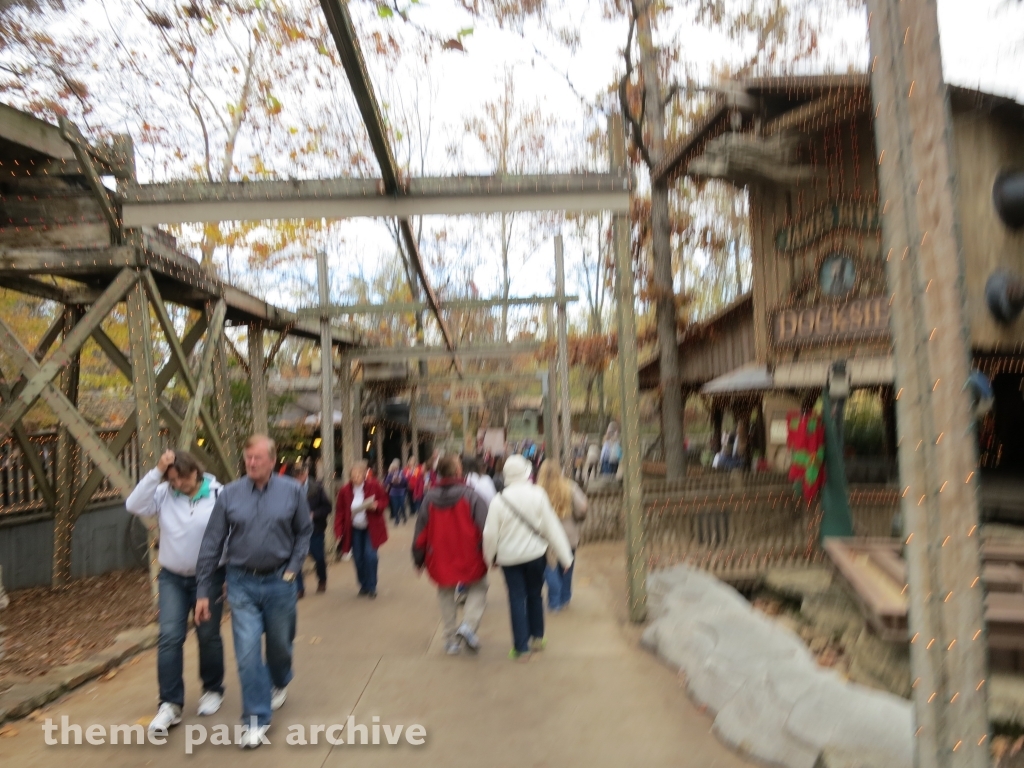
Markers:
point(521, 526)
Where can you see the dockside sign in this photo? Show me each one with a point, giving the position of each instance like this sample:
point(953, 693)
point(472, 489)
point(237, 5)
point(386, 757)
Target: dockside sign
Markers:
point(849, 321)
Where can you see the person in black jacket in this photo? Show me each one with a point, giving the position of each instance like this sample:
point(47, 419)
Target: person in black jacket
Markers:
point(319, 510)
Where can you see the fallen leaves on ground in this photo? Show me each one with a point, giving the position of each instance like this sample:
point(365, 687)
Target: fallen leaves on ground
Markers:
point(48, 628)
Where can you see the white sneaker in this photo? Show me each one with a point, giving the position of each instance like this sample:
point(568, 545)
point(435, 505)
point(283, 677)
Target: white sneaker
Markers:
point(278, 696)
point(253, 737)
point(209, 703)
point(167, 715)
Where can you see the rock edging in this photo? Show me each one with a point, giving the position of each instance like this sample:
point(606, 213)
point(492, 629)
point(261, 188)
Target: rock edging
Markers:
point(23, 698)
point(769, 697)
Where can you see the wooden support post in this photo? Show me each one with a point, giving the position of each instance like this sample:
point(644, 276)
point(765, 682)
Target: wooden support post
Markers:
point(326, 378)
point(224, 412)
point(258, 380)
point(140, 343)
point(378, 444)
point(632, 500)
point(563, 359)
point(551, 439)
point(63, 523)
point(204, 383)
point(414, 421)
point(937, 445)
point(349, 449)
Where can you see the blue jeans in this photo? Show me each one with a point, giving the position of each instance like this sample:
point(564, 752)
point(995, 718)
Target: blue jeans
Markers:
point(365, 558)
point(559, 581)
point(261, 605)
point(316, 551)
point(525, 583)
point(397, 507)
point(177, 598)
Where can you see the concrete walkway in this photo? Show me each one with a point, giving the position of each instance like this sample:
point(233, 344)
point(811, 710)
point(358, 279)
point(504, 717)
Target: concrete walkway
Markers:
point(592, 698)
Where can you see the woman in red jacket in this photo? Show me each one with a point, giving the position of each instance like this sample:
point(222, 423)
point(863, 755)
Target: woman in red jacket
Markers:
point(359, 525)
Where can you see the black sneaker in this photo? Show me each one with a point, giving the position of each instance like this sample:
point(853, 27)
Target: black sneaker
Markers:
point(363, 593)
point(372, 595)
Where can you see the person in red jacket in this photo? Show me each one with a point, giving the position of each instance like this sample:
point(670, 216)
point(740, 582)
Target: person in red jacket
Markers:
point(449, 543)
point(359, 525)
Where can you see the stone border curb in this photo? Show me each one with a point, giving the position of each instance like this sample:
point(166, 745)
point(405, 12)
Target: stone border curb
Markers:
point(767, 695)
point(22, 699)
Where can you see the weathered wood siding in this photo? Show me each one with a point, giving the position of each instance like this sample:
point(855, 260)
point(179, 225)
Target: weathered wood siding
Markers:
point(985, 145)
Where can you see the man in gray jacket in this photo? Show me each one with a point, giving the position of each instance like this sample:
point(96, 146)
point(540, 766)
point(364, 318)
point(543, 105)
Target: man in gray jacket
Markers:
point(264, 519)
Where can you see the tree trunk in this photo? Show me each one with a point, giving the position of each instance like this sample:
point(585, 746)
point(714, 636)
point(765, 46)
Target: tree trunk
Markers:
point(671, 393)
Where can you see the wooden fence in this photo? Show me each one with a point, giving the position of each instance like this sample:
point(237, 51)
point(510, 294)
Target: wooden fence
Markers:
point(735, 532)
point(19, 492)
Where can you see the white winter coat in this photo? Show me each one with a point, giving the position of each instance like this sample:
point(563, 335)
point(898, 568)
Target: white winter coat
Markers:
point(182, 520)
point(508, 540)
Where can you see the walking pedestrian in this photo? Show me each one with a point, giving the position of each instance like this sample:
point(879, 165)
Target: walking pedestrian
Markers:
point(520, 527)
point(359, 525)
point(319, 511)
point(181, 495)
point(570, 504)
point(396, 484)
point(477, 480)
point(448, 542)
point(415, 480)
point(264, 520)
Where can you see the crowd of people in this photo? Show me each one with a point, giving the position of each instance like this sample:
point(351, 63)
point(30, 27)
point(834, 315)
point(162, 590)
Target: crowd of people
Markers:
point(245, 543)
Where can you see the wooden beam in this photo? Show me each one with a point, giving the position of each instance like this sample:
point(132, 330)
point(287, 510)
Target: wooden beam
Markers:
point(49, 291)
point(151, 204)
point(120, 164)
point(31, 455)
point(326, 377)
point(393, 307)
point(818, 114)
point(224, 409)
point(632, 493)
point(399, 354)
point(67, 413)
point(938, 457)
point(52, 334)
point(258, 380)
point(203, 382)
point(68, 349)
point(143, 378)
point(25, 130)
point(66, 261)
point(82, 151)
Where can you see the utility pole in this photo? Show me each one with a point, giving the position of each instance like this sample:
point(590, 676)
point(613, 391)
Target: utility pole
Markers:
point(937, 449)
point(563, 358)
point(632, 494)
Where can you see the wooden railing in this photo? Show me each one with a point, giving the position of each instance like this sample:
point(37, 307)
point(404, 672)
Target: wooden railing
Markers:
point(19, 492)
point(736, 533)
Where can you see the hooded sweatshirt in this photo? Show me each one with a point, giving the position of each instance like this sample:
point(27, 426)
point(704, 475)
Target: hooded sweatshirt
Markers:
point(449, 527)
point(182, 519)
point(508, 540)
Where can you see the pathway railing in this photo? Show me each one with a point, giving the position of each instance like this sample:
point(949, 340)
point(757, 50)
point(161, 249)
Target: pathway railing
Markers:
point(19, 492)
point(735, 532)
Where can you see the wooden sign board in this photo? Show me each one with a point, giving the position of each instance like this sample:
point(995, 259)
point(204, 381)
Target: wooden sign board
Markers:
point(466, 393)
point(830, 323)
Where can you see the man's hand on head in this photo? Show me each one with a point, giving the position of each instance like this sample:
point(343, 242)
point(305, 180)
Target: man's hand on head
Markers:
point(166, 459)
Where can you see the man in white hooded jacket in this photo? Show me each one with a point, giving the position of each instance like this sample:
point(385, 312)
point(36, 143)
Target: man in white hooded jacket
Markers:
point(181, 496)
point(521, 525)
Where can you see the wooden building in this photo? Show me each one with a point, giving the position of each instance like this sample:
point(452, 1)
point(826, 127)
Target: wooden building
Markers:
point(804, 149)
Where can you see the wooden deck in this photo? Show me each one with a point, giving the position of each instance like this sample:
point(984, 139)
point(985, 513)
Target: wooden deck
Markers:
point(877, 576)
